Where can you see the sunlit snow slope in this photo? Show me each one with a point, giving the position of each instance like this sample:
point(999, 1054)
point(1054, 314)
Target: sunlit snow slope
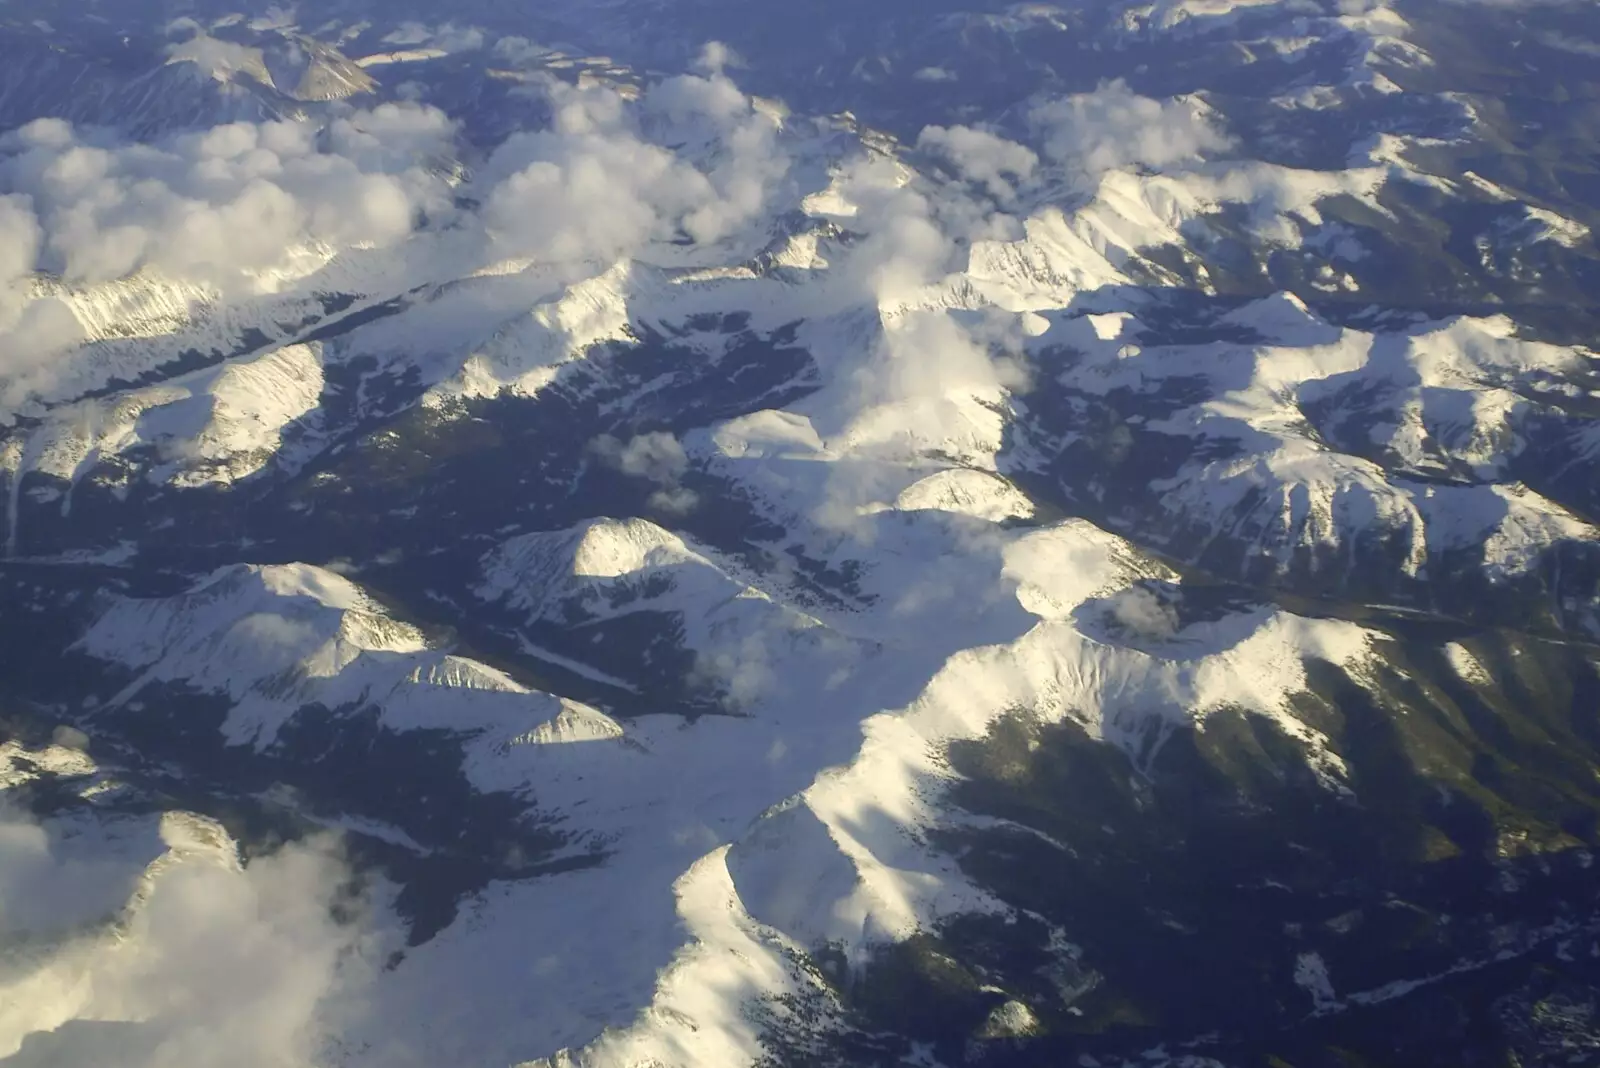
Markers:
point(1073, 542)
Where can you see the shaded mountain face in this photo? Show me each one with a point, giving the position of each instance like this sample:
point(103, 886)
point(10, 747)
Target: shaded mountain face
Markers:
point(637, 534)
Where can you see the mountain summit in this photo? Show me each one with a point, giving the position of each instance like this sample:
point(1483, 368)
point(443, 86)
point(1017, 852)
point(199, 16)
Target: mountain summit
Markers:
point(642, 534)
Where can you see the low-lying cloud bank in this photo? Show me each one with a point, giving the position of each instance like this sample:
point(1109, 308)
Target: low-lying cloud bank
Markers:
point(226, 204)
point(237, 209)
point(207, 962)
point(690, 166)
point(602, 182)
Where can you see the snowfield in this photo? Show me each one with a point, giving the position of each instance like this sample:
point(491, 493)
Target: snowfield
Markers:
point(674, 480)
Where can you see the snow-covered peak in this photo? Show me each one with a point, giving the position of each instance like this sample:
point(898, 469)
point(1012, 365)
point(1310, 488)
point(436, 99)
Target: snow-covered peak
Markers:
point(244, 624)
point(1283, 317)
point(221, 60)
point(607, 550)
point(958, 472)
point(526, 352)
point(276, 639)
point(964, 491)
point(1199, 16)
point(528, 565)
point(211, 427)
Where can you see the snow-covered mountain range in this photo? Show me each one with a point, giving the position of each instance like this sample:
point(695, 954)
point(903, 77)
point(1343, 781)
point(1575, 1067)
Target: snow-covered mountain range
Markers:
point(638, 534)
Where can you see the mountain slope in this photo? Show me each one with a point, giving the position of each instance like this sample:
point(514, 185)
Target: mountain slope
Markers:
point(946, 535)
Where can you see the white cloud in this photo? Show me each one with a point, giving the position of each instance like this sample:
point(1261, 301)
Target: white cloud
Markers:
point(676, 500)
point(930, 354)
point(519, 51)
point(686, 98)
point(903, 248)
point(410, 32)
point(32, 330)
point(757, 659)
point(233, 208)
point(280, 639)
point(1576, 45)
point(225, 204)
point(741, 670)
point(1114, 128)
point(924, 390)
point(716, 57)
point(981, 157)
point(601, 183)
point(277, 17)
point(909, 242)
point(447, 37)
point(1142, 612)
point(68, 737)
point(592, 198)
point(211, 962)
point(911, 228)
point(929, 384)
point(657, 457)
point(42, 894)
point(20, 237)
point(218, 58)
point(393, 139)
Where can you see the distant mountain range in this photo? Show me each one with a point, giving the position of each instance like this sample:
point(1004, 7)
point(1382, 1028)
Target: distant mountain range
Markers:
point(642, 534)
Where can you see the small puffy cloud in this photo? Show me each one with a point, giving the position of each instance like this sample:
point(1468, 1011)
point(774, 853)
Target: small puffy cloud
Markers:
point(32, 330)
point(1114, 128)
point(519, 50)
point(452, 38)
point(410, 32)
point(675, 500)
point(756, 660)
point(685, 99)
point(656, 457)
point(982, 157)
point(741, 670)
point(1142, 612)
point(30, 339)
point(447, 38)
point(1576, 45)
point(747, 163)
point(277, 17)
point(716, 57)
point(278, 639)
point(912, 392)
point(69, 737)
